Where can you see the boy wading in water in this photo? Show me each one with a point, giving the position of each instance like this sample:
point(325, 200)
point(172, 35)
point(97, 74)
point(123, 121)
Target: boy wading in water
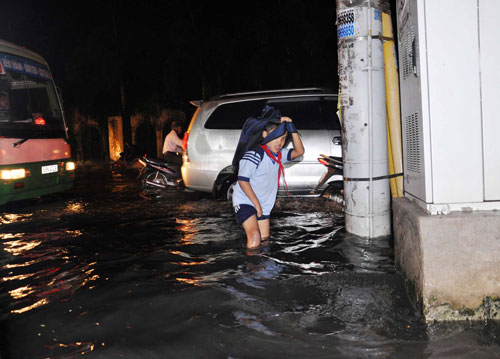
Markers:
point(260, 170)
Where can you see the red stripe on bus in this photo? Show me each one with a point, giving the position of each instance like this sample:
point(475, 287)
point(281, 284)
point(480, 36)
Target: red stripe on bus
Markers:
point(33, 150)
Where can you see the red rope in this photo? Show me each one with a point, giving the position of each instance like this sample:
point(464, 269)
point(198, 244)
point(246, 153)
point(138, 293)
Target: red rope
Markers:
point(277, 160)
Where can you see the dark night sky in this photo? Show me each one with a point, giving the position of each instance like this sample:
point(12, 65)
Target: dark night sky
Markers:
point(168, 52)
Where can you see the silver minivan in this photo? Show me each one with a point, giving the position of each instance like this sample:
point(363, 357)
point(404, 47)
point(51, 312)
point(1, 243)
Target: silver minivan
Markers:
point(212, 136)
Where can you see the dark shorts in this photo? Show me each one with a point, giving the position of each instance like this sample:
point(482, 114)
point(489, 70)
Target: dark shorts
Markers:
point(245, 211)
point(173, 158)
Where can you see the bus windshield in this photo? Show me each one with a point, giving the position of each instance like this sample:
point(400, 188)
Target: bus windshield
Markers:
point(29, 107)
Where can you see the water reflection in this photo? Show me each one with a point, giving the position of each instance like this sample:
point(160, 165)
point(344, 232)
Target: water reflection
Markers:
point(191, 281)
point(72, 350)
point(252, 322)
point(368, 254)
point(40, 270)
point(189, 229)
point(258, 274)
point(75, 207)
point(40, 303)
point(117, 273)
point(17, 247)
point(9, 218)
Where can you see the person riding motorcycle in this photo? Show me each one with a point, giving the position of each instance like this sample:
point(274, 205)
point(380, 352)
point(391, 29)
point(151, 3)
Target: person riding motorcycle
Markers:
point(172, 147)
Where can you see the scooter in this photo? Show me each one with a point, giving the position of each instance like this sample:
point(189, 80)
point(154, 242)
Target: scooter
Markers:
point(334, 189)
point(126, 161)
point(159, 174)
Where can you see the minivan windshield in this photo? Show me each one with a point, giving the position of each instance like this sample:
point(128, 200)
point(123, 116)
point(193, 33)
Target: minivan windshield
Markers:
point(29, 107)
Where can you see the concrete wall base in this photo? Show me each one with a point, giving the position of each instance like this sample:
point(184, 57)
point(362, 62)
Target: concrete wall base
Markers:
point(451, 263)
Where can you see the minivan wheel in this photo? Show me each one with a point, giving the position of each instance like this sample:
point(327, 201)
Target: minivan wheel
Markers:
point(228, 190)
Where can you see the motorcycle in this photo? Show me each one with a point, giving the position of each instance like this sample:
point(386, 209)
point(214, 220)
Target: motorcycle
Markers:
point(159, 174)
point(334, 189)
point(128, 160)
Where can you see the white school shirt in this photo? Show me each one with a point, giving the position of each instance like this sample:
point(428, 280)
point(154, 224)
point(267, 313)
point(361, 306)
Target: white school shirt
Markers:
point(261, 171)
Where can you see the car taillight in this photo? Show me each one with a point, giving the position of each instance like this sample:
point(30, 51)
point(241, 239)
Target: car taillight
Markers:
point(39, 120)
point(185, 156)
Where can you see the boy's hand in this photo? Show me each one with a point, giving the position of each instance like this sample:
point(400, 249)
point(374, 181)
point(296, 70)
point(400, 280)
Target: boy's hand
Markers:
point(290, 127)
point(259, 211)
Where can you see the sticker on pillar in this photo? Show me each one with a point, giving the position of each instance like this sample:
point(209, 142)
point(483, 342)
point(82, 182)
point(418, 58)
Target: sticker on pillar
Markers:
point(377, 15)
point(345, 23)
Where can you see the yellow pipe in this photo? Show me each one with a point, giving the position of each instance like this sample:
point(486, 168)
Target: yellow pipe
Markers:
point(393, 108)
point(392, 181)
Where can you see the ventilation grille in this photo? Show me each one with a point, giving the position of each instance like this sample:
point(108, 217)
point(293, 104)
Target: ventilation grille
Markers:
point(408, 55)
point(413, 153)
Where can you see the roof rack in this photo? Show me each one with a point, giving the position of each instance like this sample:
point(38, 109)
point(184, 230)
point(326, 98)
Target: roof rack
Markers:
point(270, 92)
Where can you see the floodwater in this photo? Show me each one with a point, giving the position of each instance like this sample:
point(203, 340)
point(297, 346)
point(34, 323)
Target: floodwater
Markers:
point(107, 270)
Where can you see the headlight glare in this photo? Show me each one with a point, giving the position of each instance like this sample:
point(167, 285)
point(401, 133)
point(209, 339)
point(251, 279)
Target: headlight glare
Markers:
point(70, 166)
point(13, 174)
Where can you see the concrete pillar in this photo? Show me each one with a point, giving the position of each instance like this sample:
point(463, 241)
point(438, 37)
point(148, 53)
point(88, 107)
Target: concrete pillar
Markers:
point(451, 263)
point(364, 128)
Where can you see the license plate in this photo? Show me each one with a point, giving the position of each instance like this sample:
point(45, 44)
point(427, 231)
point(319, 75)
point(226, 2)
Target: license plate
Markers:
point(49, 169)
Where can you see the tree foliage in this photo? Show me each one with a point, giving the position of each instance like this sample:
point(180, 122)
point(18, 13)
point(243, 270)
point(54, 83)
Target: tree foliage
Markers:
point(166, 53)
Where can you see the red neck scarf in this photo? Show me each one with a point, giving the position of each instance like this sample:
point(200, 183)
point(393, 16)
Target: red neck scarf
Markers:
point(278, 161)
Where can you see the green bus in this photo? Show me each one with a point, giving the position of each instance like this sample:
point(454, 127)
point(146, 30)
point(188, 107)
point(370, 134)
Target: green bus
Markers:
point(35, 156)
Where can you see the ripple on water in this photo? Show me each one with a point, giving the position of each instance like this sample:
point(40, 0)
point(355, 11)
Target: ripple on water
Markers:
point(142, 275)
point(39, 269)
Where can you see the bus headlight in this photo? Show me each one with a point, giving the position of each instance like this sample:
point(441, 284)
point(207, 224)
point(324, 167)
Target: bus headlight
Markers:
point(70, 166)
point(13, 174)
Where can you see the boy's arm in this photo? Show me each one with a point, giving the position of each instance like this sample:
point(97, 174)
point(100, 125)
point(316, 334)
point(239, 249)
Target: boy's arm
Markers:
point(247, 188)
point(298, 147)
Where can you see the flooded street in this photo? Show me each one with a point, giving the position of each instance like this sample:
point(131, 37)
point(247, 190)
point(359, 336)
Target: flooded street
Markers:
point(107, 270)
